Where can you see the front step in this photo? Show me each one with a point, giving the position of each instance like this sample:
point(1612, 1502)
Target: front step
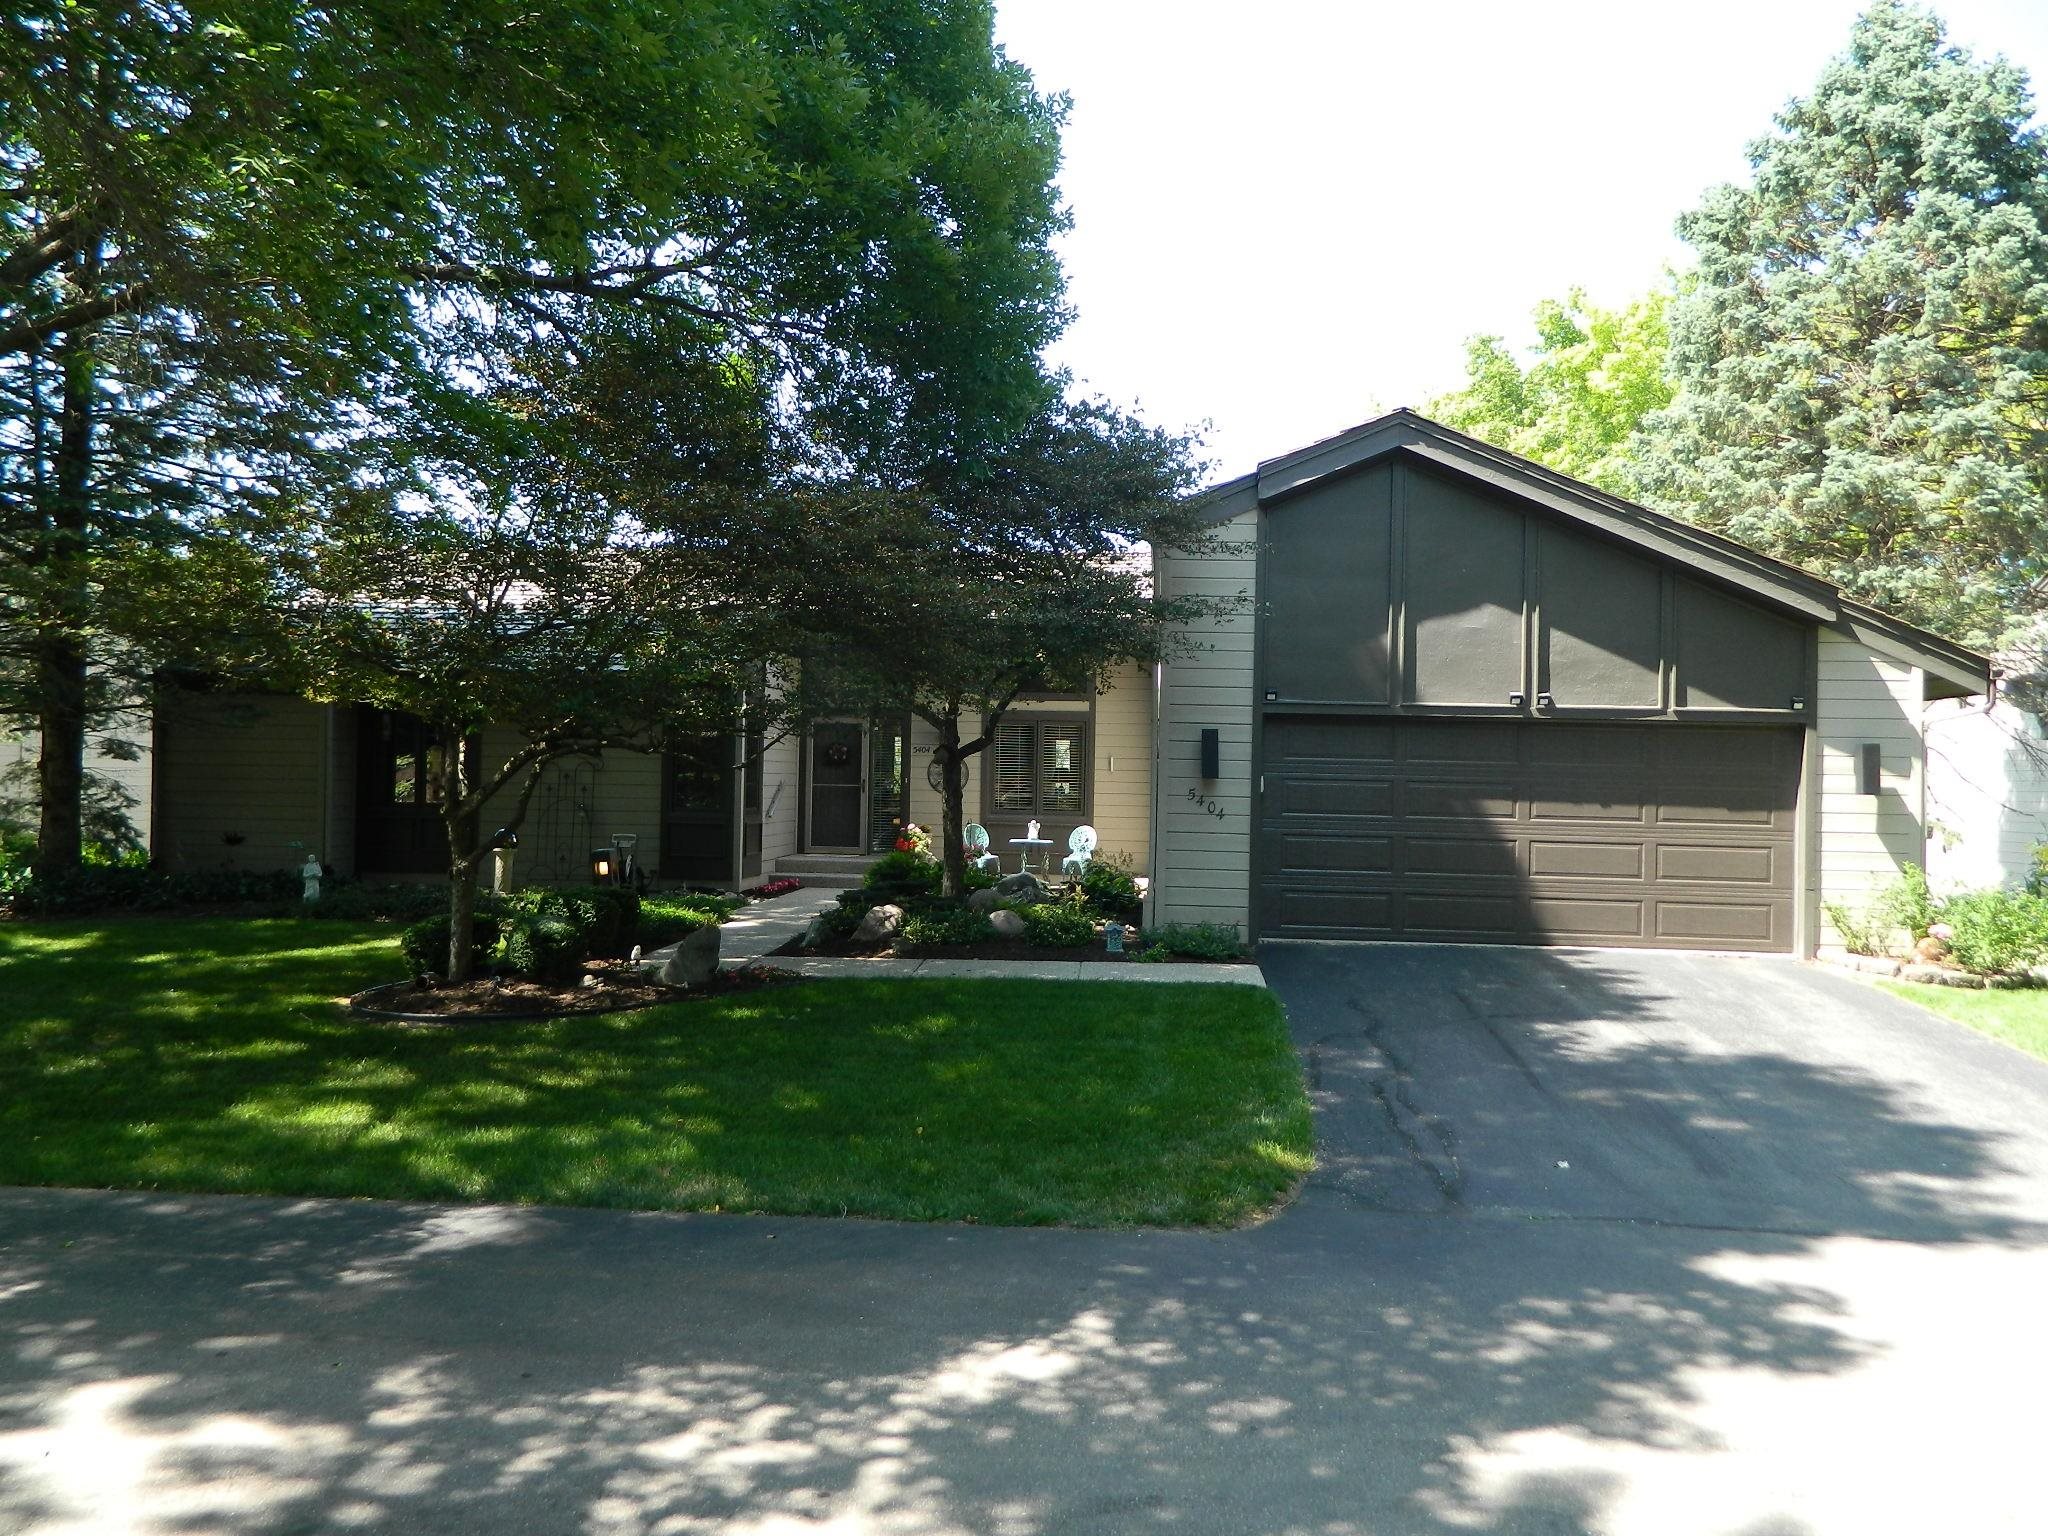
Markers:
point(826, 871)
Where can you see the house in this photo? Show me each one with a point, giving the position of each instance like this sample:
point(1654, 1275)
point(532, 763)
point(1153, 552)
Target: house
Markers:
point(1468, 700)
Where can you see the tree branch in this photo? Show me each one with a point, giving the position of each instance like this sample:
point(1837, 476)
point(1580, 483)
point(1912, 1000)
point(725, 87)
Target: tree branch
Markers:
point(29, 335)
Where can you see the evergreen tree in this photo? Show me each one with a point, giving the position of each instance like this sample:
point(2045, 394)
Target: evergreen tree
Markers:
point(1862, 361)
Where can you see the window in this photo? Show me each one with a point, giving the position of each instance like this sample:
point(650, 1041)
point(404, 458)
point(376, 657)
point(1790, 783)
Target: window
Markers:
point(1039, 768)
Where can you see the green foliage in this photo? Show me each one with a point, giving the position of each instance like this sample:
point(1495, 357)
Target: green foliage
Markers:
point(126, 888)
point(1592, 377)
point(666, 918)
point(1107, 887)
point(1862, 354)
point(1192, 941)
point(945, 925)
point(425, 943)
point(2037, 871)
point(1907, 903)
point(1060, 925)
point(376, 901)
point(1863, 932)
point(1996, 932)
point(901, 873)
point(547, 946)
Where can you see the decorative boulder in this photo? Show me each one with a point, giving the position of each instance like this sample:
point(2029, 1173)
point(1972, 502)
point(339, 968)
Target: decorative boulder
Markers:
point(694, 961)
point(1007, 924)
point(984, 900)
point(814, 935)
point(1024, 887)
point(883, 922)
point(1930, 950)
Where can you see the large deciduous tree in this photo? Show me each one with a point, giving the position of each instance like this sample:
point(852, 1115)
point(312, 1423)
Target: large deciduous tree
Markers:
point(231, 229)
point(1862, 359)
point(1576, 399)
point(1030, 569)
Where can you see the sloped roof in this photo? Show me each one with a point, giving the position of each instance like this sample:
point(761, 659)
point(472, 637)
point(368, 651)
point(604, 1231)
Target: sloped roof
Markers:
point(1951, 668)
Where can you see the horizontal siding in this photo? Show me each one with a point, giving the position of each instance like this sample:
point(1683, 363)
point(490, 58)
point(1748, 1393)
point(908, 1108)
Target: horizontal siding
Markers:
point(1202, 865)
point(1121, 808)
point(781, 802)
point(131, 776)
point(1865, 840)
point(579, 804)
point(240, 782)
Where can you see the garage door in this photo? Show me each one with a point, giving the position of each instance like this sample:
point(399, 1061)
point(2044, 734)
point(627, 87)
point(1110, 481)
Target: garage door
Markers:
point(1538, 832)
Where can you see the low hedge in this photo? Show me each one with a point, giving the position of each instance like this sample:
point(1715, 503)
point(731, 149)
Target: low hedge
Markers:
point(425, 943)
point(1058, 925)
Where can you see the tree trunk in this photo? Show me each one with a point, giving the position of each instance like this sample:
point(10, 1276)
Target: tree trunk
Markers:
point(952, 818)
point(61, 625)
point(462, 812)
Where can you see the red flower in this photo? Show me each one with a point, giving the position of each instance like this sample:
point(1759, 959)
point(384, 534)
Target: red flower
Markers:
point(903, 845)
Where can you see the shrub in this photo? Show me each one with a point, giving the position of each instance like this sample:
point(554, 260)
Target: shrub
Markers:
point(126, 888)
point(1863, 933)
point(1060, 925)
point(1995, 932)
point(902, 873)
point(1907, 903)
point(665, 919)
point(547, 946)
point(1107, 887)
point(946, 925)
point(377, 902)
point(1195, 941)
point(425, 943)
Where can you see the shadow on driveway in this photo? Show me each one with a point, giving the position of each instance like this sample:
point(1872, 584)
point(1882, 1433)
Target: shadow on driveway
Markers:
point(1598, 1244)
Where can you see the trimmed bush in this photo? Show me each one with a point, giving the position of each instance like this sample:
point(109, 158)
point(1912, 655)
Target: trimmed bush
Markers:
point(1996, 932)
point(665, 919)
point(126, 888)
point(946, 925)
point(425, 943)
point(377, 902)
point(1108, 888)
point(904, 873)
point(1194, 941)
point(546, 946)
point(1060, 925)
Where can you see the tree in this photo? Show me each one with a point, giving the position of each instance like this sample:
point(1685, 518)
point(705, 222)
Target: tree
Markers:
point(1862, 359)
point(497, 573)
point(229, 228)
point(1576, 404)
point(951, 597)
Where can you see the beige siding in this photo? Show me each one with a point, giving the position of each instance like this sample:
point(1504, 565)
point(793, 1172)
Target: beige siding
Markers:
point(1987, 792)
point(1201, 866)
point(926, 806)
point(242, 767)
point(579, 804)
point(1864, 840)
point(131, 775)
point(1122, 808)
point(781, 807)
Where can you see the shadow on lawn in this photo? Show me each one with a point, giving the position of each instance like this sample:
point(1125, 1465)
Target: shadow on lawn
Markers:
point(1438, 1339)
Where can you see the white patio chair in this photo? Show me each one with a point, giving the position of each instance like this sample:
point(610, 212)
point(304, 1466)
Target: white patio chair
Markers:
point(975, 837)
point(1080, 850)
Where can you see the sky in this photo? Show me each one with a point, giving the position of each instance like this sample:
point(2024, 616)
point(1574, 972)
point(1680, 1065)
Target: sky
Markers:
point(1290, 214)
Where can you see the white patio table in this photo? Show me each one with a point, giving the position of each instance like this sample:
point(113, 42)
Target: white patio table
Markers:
point(1024, 845)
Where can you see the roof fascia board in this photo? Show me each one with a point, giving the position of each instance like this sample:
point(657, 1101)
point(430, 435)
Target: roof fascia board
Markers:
point(1220, 503)
point(1945, 663)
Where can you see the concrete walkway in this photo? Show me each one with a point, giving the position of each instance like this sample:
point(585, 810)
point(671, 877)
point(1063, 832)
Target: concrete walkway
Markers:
point(756, 931)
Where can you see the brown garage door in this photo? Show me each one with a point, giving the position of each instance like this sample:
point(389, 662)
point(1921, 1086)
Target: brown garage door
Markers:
point(1537, 832)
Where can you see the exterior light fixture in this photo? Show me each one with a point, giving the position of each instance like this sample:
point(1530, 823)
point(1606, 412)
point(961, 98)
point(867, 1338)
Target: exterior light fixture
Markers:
point(1870, 769)
point(1212, 752)
point(600, 866)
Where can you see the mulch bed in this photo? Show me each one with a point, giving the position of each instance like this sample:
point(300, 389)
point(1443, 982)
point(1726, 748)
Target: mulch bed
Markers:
point(1000, 949)
point(619, 986)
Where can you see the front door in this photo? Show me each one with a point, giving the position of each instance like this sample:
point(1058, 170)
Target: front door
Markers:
point(838, 780)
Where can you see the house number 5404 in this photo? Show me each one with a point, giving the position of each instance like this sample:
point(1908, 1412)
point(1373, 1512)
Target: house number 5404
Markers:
point(1206, 803)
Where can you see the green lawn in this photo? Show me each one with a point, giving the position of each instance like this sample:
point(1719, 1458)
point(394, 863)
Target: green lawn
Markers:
point(2018, 1017)
point(211, 1055)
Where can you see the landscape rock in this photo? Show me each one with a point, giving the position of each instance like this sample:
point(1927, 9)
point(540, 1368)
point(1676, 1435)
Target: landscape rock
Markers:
point(883, 922)
point(814, 935)
point(1007, 924)
point(694, 961)
point(984, 900)
point(1024, 887)
point(1939, 976)
point(1931, 950)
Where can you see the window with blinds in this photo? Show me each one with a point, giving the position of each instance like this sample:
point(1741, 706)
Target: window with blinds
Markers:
point(1039, 768)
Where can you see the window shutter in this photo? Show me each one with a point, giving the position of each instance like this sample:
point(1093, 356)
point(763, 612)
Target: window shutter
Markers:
point(1063, 769)
point(1012, 752)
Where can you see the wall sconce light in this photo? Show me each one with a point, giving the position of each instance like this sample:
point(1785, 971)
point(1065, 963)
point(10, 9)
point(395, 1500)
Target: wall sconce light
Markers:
point(600, 866)
point(1870, 770)
point(1212, 752)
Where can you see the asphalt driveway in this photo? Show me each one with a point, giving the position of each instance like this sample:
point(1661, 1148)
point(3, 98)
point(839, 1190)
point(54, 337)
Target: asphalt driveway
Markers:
point(1599, 1243)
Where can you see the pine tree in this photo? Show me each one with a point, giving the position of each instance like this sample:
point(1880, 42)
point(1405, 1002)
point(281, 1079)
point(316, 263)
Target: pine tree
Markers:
point(1863, 360)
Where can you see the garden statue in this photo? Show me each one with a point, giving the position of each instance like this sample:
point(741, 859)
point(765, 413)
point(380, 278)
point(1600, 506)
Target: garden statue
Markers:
point(310, 872)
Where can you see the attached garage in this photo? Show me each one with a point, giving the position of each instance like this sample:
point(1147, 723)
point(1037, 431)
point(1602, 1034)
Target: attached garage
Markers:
point(1524, 833)
point(1469, 700)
